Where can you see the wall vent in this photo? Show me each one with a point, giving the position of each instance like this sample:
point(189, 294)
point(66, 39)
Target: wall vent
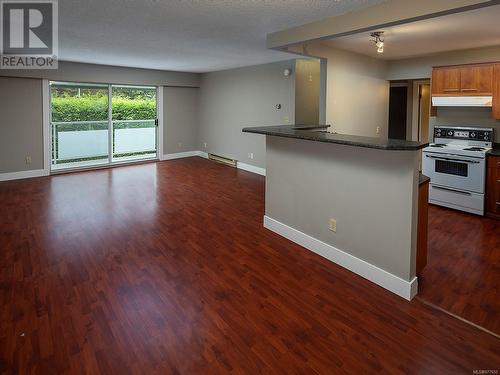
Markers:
point(222, 160)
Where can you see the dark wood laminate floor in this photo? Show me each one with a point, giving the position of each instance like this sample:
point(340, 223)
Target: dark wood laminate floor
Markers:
point(463, 270)
point(165, 268)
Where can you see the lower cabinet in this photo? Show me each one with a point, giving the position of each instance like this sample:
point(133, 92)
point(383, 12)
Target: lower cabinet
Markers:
point(493, 187)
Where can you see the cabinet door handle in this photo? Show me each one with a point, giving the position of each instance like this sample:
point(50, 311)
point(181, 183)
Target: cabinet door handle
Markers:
point(469, 89)
point(450, 90)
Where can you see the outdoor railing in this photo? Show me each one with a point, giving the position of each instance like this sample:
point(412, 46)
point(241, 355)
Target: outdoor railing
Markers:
point(88, 140)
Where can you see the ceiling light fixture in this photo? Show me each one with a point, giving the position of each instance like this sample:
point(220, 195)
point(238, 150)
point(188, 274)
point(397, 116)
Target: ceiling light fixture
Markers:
point(378, 40)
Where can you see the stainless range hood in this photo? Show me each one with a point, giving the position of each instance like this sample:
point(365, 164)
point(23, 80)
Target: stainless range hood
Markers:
point(462, 101)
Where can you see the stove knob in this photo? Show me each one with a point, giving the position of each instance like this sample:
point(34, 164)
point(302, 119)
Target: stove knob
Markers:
point(450, 133)
point(486, 137)
point(473, 135)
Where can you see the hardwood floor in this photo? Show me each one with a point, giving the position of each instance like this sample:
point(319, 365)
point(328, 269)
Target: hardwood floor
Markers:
point(165, 268)
point(463, 269)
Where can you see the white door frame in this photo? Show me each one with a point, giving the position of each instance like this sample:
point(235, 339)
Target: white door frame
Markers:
point(159, 116)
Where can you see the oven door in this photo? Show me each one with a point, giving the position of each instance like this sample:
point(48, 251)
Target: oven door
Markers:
point(455, 171)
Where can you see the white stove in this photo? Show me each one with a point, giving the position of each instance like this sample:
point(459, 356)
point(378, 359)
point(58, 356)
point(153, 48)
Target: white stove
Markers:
point(456, 164)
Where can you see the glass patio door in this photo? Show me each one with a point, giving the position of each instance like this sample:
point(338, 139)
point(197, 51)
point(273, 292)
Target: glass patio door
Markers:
point(134, 123)
point(93, 125)
point(79, 125)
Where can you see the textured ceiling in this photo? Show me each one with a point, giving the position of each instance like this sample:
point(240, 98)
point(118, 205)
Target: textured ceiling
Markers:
point(472, 29)
point(184, 35)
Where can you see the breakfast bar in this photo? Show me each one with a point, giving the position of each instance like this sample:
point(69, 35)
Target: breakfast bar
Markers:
point(350, 199)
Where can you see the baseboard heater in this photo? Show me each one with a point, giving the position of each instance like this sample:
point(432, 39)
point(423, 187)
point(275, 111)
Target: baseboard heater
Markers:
point(222, 160)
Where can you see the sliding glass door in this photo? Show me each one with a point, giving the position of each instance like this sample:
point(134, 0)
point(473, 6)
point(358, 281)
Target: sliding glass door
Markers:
point(94, 125)
point(134, 122)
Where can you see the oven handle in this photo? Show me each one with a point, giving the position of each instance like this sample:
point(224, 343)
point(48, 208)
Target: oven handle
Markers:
point(453, 159)
point(453, 190)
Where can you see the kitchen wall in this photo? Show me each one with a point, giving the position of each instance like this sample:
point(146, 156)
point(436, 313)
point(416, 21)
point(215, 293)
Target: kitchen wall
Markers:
point(421, 67)
point(20, 124)
point(233, 99)
point(307, 91)
point(475, 117)
point(357, 93)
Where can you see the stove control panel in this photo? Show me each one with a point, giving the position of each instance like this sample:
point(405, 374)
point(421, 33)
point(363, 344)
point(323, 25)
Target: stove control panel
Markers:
point(468, 134)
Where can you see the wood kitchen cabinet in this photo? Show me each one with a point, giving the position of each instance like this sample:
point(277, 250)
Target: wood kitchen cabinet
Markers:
point(466, 80)
point(446, 81)
point(476, 79)
point(493, 187)
point(496, 91)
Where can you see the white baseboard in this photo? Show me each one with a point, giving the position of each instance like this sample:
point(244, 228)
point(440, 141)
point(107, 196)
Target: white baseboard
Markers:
point(23, 174)
point(251, 168)
point(393, 283)
point(179, 155)
point(203, 154)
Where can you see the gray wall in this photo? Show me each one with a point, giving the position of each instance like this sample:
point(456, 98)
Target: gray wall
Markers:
point(180, 131)
point(307, 91)
point(357, 92)
point(233, 99)
point(421, 67)
point(369, 192)
point(21, 121)
point(21, 126)
point(78, 72)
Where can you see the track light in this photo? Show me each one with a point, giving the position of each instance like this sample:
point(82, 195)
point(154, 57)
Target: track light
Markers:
point(377, 39)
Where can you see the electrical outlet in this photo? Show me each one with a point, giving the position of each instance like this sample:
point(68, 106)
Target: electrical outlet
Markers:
point(250, 155)
point(332, 225)
point(286, 119)
point(28, 159)
point(204, 144)
point(377, 130)
point(179, 145)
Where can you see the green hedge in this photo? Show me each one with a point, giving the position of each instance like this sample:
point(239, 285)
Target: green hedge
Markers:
point(95, 108)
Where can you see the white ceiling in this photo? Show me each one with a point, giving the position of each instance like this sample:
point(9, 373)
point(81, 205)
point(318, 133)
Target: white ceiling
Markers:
point(472, 29)
point(184, 35)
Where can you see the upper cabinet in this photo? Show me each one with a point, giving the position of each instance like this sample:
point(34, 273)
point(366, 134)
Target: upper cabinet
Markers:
point(476, 79)
point(465, 80)
point(446, 81)
point(480, 80)
point(496, 92)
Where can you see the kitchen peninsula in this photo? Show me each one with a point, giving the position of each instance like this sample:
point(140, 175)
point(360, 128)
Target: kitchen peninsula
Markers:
point(350, 199)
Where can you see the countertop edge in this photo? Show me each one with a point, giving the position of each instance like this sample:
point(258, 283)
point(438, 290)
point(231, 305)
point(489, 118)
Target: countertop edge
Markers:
point(314, 137)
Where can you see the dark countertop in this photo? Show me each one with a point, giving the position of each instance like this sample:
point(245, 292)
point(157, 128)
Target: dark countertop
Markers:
point(495, 151)
point(307, 132)
point(422, 179)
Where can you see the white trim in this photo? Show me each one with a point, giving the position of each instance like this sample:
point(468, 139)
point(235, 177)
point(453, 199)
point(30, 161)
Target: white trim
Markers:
point(46, 126)
point(179, 155)
point(24, 174)
point(393, 283)
point(203, 154)
point(251, 168)
point(159, 111)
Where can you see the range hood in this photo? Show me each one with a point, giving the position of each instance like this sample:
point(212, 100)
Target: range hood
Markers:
point(462, 101)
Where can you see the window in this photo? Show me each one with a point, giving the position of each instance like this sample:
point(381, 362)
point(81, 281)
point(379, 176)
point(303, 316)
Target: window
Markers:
point(87, 131)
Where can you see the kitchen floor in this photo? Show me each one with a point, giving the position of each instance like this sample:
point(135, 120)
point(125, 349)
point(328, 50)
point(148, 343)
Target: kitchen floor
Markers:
point(462, 275)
